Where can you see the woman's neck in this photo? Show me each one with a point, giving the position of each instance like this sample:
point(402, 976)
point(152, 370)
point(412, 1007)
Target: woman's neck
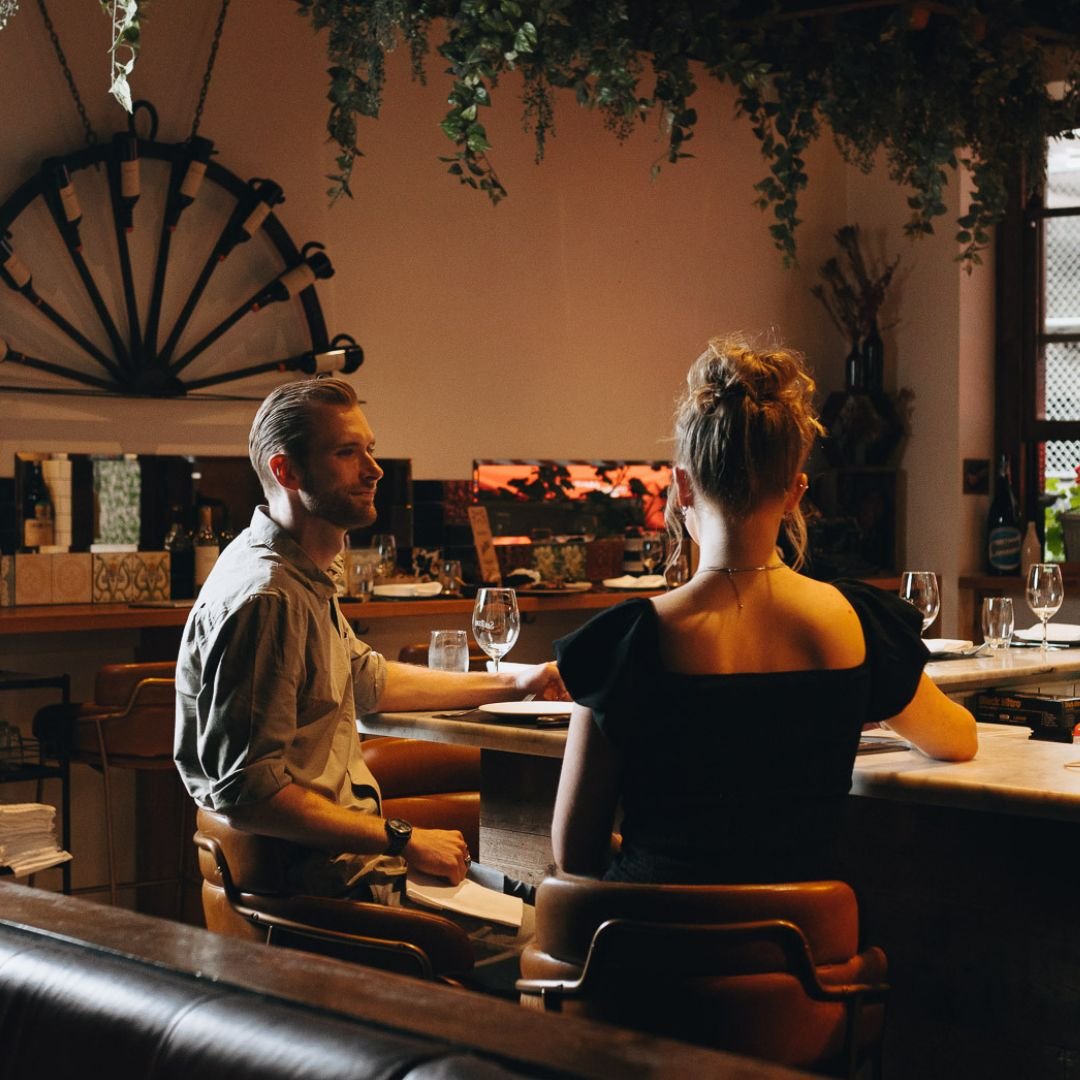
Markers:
point(738, 544)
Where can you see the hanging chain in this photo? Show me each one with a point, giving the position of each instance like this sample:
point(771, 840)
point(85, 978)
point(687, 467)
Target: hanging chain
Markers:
point(91, 136)
point(209, 69)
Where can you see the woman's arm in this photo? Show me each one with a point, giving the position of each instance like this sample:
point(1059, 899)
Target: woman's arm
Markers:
point(937, 725)
point(587, 799)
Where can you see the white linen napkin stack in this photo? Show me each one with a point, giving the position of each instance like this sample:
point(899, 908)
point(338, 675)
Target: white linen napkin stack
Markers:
point(28, 838)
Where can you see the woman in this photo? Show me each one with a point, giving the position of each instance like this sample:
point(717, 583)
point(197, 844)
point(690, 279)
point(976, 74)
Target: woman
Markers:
point(725, 715)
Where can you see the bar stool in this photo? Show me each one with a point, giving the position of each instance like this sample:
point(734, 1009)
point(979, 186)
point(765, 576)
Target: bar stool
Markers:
point(773, 971)
point(128, 725)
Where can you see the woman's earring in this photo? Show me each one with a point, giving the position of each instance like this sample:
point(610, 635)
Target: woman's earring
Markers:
point(681, 511)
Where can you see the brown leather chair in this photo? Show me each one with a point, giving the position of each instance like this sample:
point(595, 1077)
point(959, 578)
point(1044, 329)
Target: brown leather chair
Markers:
point(433, 785)
point(418, 654)
point(772, 971)
point(128, 725)
point(245, 895)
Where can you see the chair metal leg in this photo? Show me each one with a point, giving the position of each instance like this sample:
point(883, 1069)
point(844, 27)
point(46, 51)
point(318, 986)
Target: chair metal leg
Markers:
point(109, 838)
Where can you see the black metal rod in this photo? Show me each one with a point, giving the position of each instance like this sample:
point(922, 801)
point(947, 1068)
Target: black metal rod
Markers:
point(99, 306)
point(293, 363)
point(189, 306)
point(130, 301)
point(226, 324)
point(14, 357)
point(153, 316)
point(80, 339)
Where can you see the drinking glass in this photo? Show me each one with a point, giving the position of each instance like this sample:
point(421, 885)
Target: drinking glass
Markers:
point(920, 589)
point(386, 546)
point(1045, 593)
point(449, 650)
point(359, 575)
point(997, 621)
point(496, 622)
point(652, 550)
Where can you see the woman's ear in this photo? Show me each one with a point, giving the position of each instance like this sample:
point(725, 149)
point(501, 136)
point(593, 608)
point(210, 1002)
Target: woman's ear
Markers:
point(683, 488)
point(796, 492)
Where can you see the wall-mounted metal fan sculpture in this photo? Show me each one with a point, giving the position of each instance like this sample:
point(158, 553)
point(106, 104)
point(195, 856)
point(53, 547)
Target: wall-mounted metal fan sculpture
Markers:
point(129, 268)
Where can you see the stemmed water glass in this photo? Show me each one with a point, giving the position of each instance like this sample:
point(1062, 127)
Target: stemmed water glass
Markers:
point(920, 589)
point(496, 622)
point(1045, 593)
point(386, 545)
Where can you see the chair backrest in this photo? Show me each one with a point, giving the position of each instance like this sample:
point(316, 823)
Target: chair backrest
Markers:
point(768, 970)
point(133, 713)
point(245, 895)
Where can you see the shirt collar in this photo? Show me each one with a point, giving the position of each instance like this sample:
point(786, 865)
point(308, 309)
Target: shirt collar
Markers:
point(265, 531)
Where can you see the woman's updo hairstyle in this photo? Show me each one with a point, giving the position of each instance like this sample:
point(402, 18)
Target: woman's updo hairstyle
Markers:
point(744, 427)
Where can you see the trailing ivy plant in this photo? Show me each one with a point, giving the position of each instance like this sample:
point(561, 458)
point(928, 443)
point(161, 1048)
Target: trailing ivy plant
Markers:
point(931, 87)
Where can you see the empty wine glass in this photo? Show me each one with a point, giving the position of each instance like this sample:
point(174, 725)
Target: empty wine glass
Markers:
point(920, 589)
point(1045, 593)
point(496, 622)
point(652, 551)
point(386, 545)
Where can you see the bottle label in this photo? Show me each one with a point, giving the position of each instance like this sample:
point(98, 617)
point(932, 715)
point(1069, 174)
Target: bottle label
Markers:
point(1004, 549)
point(205, 557)
point(37, 532)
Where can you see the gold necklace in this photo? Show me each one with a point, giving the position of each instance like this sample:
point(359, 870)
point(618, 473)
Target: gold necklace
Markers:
point(732, 570)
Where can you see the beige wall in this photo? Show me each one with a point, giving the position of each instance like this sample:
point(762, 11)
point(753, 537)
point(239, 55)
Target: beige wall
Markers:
point(559, 323)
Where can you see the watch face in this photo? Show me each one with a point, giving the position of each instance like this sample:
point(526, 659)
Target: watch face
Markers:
point(398, 829)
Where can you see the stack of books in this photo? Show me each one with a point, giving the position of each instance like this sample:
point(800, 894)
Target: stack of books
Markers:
point(28, 838)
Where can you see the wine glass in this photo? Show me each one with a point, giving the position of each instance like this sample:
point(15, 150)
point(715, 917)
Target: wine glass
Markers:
point(920, 589)
point(496, 622)
point(652, 551)
point(1045, 593)
point(386, 545)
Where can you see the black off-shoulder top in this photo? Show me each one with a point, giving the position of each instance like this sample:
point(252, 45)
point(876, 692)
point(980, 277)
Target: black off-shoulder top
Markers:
point(738, 777)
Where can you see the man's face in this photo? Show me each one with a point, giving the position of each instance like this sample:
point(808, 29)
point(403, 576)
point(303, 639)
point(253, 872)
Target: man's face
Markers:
point(341, 473)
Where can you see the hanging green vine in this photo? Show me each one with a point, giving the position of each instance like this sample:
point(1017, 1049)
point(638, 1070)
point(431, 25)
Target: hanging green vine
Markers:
point(932, 87)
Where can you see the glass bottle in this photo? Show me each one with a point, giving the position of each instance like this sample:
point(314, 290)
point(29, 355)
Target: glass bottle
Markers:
point(206, 546)
point(37, 510)
point(1031, 551)
point(1002, 530)
point(854, 380)
point(181, 549)
point(873, 361)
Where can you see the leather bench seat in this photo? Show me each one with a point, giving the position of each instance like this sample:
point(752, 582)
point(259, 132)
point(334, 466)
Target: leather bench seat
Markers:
point(90, 990)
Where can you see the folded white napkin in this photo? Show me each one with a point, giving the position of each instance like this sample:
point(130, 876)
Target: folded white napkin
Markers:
point(641, 581)
point(943, 645)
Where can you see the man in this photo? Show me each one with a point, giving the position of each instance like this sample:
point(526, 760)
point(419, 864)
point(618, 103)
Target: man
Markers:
point(270, 676)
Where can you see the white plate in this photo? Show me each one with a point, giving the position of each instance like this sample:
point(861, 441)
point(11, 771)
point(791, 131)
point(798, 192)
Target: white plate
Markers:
point(1064, 633)
point(628, 581)
point(528, 708)
point(562, 590)
point(408, 592)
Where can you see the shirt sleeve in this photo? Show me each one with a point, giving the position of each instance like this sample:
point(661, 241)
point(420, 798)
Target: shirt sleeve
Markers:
point(245, 704)
point(369, 674)
point(606, 664)
point(895, 652)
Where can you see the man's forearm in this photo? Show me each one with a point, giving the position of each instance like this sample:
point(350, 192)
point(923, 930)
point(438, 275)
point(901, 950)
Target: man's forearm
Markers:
point(409, 686)
point(303, 817)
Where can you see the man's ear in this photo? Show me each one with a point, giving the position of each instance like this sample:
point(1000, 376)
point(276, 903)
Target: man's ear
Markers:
point(284, 471)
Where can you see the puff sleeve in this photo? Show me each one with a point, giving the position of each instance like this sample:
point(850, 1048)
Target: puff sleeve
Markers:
point(607, 665)
point(895, 653)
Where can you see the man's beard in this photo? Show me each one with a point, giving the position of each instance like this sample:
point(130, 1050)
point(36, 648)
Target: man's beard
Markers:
point(338, 508)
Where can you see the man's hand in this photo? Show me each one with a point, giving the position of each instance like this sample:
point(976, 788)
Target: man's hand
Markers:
point(439, 852)
point(543, 681)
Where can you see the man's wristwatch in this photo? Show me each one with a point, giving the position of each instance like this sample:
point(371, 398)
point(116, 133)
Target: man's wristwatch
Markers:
point(399, 833)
